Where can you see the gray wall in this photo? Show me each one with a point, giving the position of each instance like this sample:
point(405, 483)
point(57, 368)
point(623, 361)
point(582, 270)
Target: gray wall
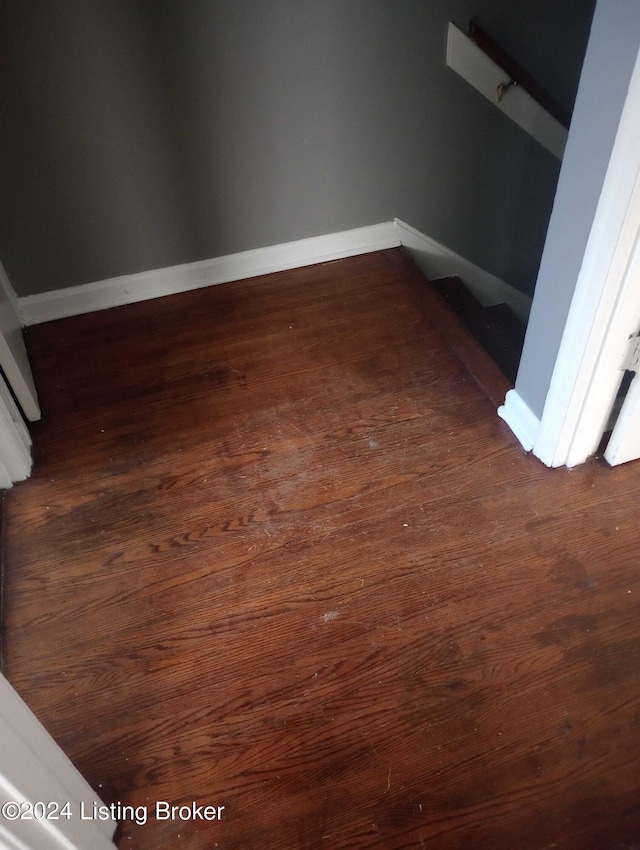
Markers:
point(609, 62)
point(144, 133)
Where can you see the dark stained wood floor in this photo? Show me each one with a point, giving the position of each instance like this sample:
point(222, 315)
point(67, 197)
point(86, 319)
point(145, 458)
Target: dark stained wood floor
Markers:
point(279, 554)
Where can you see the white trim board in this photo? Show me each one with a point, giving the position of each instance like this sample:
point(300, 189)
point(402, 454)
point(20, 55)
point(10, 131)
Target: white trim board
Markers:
point(474, 66)
point(13, 354)
point(434, 259)
point(34, 769)
point(117, 291)
point(521, 419)
point(15, 441)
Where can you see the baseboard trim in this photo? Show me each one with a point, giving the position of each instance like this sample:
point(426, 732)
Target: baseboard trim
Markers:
point(115, 292)
point(521, 419)
point(434, 259)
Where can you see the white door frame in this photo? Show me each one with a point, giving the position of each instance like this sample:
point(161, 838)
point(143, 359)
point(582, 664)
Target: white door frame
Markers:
point(33, 769)
point(604, 312)
point(15, 441)
point(13, 354)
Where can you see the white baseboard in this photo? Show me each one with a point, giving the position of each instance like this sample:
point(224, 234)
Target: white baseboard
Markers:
point(434, 259)
point(520, 418)
point(89, 297)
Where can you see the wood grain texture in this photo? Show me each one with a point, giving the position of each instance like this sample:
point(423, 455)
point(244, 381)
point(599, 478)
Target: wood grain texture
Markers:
point(280, 554)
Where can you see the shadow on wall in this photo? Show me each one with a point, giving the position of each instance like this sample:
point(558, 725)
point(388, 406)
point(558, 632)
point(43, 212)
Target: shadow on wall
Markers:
point(144, 134)
point(147, 152)
point(93, 162)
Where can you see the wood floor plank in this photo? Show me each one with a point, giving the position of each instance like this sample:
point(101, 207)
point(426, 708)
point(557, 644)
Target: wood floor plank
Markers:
point(279, 554)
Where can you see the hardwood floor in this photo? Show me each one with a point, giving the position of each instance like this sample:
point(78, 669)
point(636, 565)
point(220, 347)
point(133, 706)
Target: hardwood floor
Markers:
point(280, 555)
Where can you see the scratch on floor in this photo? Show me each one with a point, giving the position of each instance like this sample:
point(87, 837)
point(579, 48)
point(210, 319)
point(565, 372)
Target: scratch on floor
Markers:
point(330, 615)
